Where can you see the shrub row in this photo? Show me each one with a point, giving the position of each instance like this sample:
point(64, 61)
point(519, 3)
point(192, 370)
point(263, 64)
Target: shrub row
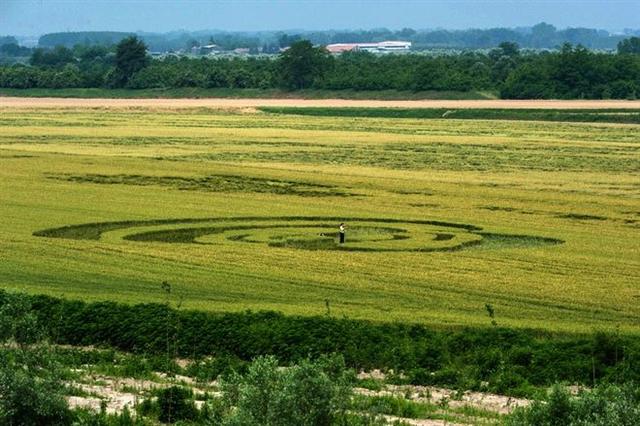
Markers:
point(492, 358)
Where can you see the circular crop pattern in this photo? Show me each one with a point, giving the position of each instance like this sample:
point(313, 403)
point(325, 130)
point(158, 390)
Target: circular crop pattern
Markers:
point(305, 233)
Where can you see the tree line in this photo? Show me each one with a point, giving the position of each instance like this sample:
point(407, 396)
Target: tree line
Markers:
point(540, 36)
point(572, 72)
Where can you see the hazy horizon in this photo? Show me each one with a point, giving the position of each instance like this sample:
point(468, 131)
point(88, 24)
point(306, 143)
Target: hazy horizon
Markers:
point(37, 17)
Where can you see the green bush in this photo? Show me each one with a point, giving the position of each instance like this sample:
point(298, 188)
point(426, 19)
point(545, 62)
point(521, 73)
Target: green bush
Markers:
point(30, 392)
point(175, 404)
point(18, 321)
point(605, 405)
point(394, 406)
point(307, 394)
point(210, 368)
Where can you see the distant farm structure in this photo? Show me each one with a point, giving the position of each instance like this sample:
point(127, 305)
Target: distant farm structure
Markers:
point(380, 47)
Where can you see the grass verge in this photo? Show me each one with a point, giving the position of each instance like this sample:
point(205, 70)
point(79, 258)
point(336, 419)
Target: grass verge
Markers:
point(630, 116)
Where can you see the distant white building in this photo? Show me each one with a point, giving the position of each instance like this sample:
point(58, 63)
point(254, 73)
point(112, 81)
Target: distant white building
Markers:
point(341, 47)
point(381, 47)
point(209, 49)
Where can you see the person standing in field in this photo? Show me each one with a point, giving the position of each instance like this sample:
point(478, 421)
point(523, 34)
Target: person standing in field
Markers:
point(341, 232)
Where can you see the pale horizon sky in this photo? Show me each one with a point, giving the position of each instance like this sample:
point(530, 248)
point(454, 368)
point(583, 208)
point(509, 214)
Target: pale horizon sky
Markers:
point(36, 17)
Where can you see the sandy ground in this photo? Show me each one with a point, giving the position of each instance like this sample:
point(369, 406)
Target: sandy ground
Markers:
point(433, 395)
point(18, 102)
point(118, 393)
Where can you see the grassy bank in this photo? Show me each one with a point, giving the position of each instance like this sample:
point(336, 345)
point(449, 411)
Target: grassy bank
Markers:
point(195, 92)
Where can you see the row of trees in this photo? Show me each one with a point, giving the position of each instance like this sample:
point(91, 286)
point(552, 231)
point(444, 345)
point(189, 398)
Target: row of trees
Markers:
point(572, 72)
point(540, 36)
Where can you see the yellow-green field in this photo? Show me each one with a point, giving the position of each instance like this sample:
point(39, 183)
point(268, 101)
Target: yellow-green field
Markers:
point(239, 209)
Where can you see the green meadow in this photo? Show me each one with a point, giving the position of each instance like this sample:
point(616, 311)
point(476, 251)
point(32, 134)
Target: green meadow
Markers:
point(239, 209)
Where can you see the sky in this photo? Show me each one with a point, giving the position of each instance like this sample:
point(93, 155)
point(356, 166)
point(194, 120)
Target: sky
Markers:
point(35, 17)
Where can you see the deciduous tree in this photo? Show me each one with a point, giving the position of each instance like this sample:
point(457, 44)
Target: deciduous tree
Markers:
point(131, 57)
point(302, 64)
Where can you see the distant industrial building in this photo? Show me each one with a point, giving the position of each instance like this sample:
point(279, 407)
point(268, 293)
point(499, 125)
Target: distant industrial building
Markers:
point(209, 49)
point(380, 47)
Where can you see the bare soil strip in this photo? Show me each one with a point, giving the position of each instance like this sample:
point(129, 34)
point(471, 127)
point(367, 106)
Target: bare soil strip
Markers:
point(18, 102)
point(434, 395)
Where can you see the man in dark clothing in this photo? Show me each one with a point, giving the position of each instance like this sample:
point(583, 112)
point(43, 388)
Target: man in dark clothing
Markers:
point(342, 230)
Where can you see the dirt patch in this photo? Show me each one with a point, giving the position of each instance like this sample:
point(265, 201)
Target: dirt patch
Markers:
point(118, 393)
point(418, 422)
point(114, 399)
point(246, 104)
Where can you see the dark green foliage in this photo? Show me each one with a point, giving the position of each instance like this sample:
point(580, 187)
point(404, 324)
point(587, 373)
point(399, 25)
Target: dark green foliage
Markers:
point(8, 40)
point(116, 364)
point(302, 64)
point(52, 58)
point(605, 405)
point(131, 57)
point(491, 313)
point(572, 72)
point(629, 46)
point(394, 406)
point(30, 386)
point(13, 49)
point(512, 361)
point(211, 368)
point(18, 322)
point(30, 390)
point(83, 417)
point(71, 39)
point(307, 394)
point(175, 403)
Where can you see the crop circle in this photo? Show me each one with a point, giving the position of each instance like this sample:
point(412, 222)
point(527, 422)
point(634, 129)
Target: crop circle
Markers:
point(306, 233)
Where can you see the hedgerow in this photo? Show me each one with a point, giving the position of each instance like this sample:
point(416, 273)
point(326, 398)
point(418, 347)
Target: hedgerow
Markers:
point(493, 358)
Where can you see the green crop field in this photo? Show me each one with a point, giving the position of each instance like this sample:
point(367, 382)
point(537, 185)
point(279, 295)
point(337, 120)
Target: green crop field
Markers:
point(239, 209)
